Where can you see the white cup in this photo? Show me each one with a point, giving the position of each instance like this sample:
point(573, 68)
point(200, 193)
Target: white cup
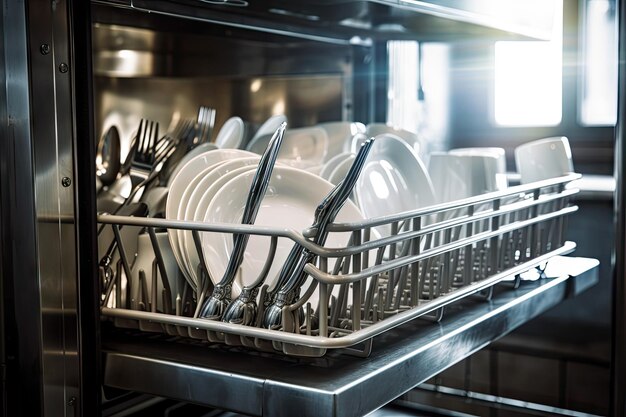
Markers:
point(543, 159)
point(499, 153)
point(456, 177)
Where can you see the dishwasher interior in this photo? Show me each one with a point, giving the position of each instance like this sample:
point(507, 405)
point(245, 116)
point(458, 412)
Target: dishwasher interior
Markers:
point(415, 299)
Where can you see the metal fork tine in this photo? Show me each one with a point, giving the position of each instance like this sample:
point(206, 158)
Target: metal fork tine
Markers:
point(140, 137)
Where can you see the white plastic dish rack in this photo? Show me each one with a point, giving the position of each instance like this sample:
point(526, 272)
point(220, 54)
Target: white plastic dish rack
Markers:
point(413, 265)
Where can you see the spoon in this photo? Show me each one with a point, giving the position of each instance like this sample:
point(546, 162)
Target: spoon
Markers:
point(108, 156)
point(293, 276)
point(215, 305)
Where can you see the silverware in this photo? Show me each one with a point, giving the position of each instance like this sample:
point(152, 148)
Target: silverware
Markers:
point(206, 122)
point(108, 156)
point(292, 275)
point(106, 262)
point(215, 305)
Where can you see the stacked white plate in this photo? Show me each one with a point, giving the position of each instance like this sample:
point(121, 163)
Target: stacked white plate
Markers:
point(213, 188)
point(182, 187)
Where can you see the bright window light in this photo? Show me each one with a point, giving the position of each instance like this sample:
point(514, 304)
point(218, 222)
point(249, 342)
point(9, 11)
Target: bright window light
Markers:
point(599, 79)
point(528, 80)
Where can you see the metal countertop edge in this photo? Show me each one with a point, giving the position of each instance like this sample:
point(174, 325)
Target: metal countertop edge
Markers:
point(350, 386)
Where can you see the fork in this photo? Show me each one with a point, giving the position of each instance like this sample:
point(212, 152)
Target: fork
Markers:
point(143, 154)
point(206, 121)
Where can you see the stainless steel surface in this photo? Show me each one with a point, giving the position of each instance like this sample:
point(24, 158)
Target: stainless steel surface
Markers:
point(18, 261)
point(52, 137)
point(38, 188)
point(358, 21)
point(336, 385)
point(426, 393)
point(618, 368)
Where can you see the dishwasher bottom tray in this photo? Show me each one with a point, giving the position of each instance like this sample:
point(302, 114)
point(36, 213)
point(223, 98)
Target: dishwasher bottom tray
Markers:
point(337, 384)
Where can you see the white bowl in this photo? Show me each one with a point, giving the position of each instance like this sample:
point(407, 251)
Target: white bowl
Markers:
point(393, 180)
point(375, 129)
point(339, 136)
point(543, 159)
point(269, 127)
point(332, 163)
point(302, 148)
point(341, 170)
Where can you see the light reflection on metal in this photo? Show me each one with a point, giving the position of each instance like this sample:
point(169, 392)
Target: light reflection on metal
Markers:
point(125, 63)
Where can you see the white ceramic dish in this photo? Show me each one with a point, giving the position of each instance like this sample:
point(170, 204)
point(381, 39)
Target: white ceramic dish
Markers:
point(231, 134)
point(499, 153)
point(200, 149)
point(301, 148)
point(332, 163)
point(340, 135)
point(341, 170)
point(287, 204)
point(393, 180)
point(268, 127)
point(203, 204)
point(185, 237)
point(459, 176)
point(179, 183)
point(375, 129)
point(543, 159)
point(182, 206)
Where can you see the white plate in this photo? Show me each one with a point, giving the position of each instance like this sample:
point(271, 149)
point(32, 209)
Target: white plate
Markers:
point(341, 170)
point(182, 207)
point(185, 237)
point(200, 149)
point(339, 136)
point(269, 127)
point(393, 180)
point(302, 148)
point(332, 163)
point(288, 204)
point(179, 184)
point(203, 204)
point(231, 134)
point(411, 139)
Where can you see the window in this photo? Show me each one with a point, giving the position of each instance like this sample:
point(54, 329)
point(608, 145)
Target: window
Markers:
point(528, 80)
point(598, 103)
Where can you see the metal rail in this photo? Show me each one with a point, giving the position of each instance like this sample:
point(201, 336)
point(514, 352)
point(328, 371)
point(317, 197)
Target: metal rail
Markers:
point(394, 269)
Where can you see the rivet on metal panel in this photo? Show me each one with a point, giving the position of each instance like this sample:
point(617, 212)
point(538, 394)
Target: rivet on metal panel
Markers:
point(44, 49)
point(66, 181)
point(64, 68)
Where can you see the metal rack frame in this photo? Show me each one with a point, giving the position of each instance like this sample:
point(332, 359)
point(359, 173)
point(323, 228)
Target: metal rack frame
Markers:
point(425, 260)
point(263, 384)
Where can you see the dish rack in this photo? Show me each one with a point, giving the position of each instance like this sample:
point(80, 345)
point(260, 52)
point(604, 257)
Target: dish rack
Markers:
point(394, 269)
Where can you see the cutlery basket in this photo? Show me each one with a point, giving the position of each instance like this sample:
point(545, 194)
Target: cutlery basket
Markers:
point(394, 269)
